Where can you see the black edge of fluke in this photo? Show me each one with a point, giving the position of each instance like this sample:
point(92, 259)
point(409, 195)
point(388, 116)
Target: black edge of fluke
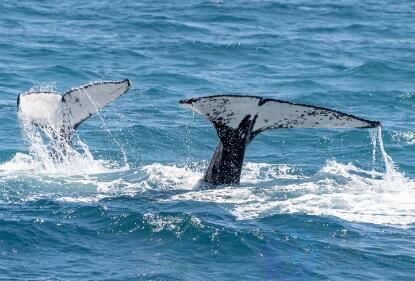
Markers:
point(374, 124)
point(18, 101)
point(128, 82)
point(187, 101)
point(100, 83)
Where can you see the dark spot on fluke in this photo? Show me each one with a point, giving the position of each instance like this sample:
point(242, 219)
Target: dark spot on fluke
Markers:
point(262, 101)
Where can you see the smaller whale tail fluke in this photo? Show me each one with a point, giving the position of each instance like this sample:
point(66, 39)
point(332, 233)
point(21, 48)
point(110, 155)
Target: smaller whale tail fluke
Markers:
point(238, 119)
point(66, 112)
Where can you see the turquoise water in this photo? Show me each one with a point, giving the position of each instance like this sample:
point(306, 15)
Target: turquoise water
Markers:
point(312, 205)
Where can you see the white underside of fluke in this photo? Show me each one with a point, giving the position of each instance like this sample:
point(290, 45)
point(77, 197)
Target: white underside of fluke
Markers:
point(231, 110)
point(72, 108)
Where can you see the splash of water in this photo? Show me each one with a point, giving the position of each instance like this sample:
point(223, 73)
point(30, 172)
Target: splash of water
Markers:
point(373, 139)
point(108, 131)
point(51, 153)
point(390, 166)
point(377, 141)
point(44, 88)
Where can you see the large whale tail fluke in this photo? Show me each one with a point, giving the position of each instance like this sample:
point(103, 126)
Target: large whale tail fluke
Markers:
point(238, 119)
point(64, 113)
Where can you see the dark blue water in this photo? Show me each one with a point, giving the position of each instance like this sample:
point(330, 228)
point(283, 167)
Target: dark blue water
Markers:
point(312, 205)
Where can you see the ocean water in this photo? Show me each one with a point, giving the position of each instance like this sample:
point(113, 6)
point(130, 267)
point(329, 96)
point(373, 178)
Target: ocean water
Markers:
point(312, 204)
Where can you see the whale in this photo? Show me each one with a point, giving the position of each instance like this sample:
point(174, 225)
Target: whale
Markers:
point(239, 119)
point(64, 113)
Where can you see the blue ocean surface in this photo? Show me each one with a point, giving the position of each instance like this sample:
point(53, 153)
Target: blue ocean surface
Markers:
point(313, 204)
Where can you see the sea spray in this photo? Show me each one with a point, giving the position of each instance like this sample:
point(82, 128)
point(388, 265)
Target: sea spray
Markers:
point(49, 152)
point(389, 165)
point(43, 88)
point(108, 131)
point(52, 152)
point(376, 139)
point(373, 139)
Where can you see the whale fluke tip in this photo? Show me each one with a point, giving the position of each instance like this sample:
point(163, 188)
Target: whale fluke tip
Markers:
point(128, 82)
point(374, 124)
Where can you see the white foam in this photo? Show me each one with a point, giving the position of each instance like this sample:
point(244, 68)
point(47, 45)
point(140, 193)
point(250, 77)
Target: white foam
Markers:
point(260, 172)
point(188, 176)
point(81, 199)
point(28, 165)
point(172, 177)
point(340, 190)
point(351, 197)
point(228, 195)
